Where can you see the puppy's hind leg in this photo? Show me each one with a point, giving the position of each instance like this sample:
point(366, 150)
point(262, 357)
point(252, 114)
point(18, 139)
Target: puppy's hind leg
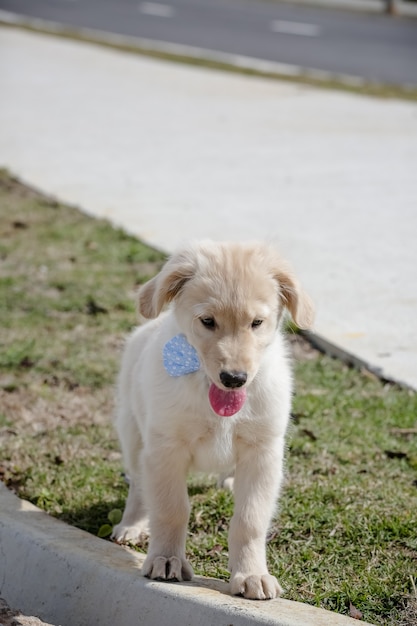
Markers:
point(134, 526)
point(226, 481)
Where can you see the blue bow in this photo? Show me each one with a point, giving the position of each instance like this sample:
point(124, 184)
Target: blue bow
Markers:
point(180, 357)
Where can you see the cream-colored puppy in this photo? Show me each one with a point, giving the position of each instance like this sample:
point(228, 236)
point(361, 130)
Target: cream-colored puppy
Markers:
point(206, 385)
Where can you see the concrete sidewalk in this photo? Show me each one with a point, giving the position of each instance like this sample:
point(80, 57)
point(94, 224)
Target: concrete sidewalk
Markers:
point(171, 152)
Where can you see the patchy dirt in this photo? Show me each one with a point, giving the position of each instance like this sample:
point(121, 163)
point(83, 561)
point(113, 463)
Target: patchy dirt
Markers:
point(35, 416)
point(36, 413)
point(11, 617)
point(301, 349)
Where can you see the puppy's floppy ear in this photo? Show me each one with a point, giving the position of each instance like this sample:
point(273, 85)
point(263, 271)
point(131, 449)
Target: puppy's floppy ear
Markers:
point(294, 298)
point(166, 285)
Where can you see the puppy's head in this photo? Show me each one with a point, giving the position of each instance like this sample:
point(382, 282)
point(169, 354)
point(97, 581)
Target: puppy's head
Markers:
point(228, 299)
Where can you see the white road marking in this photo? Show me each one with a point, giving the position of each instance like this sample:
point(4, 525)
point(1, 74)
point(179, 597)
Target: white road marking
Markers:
point(156, 9)
point(295, 28)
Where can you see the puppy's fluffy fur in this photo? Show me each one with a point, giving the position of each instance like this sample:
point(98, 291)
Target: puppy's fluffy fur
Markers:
point(228, 300)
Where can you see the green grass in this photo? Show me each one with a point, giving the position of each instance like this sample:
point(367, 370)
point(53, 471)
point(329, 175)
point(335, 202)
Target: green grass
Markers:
point(346, 529)
point(350, 509)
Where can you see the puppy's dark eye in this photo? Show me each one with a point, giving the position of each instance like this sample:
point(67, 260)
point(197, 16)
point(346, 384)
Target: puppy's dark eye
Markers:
point(256, 323)
point(208, 322)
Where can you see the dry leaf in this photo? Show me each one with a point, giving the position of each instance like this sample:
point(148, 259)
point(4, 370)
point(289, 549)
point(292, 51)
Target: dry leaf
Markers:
point(354, 612)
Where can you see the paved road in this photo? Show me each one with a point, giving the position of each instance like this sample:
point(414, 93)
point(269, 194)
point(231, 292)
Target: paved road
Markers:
point(374, 47)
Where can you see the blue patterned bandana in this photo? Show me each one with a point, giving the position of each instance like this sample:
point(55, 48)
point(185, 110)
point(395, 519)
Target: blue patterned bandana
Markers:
point(180, 357)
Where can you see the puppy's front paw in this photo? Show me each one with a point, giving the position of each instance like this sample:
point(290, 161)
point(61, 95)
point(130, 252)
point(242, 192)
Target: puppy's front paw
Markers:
point(163, 568)
point(264, 587)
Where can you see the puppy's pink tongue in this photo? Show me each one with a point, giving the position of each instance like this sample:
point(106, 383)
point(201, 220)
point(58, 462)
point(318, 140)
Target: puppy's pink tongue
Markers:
point(226, 403)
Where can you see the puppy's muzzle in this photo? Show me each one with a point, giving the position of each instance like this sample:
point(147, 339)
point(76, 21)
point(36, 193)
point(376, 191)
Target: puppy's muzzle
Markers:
point(232, 380)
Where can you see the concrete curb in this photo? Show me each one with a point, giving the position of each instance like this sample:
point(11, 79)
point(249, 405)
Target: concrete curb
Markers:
point(67, 577)
point(405, 9)
point(192, 54)
point(331, 349)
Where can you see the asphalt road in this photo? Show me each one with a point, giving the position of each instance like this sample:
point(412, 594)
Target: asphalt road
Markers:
point(375, 47)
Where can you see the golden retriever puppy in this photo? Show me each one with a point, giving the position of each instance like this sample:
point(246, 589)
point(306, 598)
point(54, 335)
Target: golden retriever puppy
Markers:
point(206, 386)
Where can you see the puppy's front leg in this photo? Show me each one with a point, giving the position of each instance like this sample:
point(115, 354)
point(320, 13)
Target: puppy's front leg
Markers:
point(169, 510)
point(257, 480)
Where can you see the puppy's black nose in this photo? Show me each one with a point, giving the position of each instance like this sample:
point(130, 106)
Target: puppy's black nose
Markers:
point(233, 379)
